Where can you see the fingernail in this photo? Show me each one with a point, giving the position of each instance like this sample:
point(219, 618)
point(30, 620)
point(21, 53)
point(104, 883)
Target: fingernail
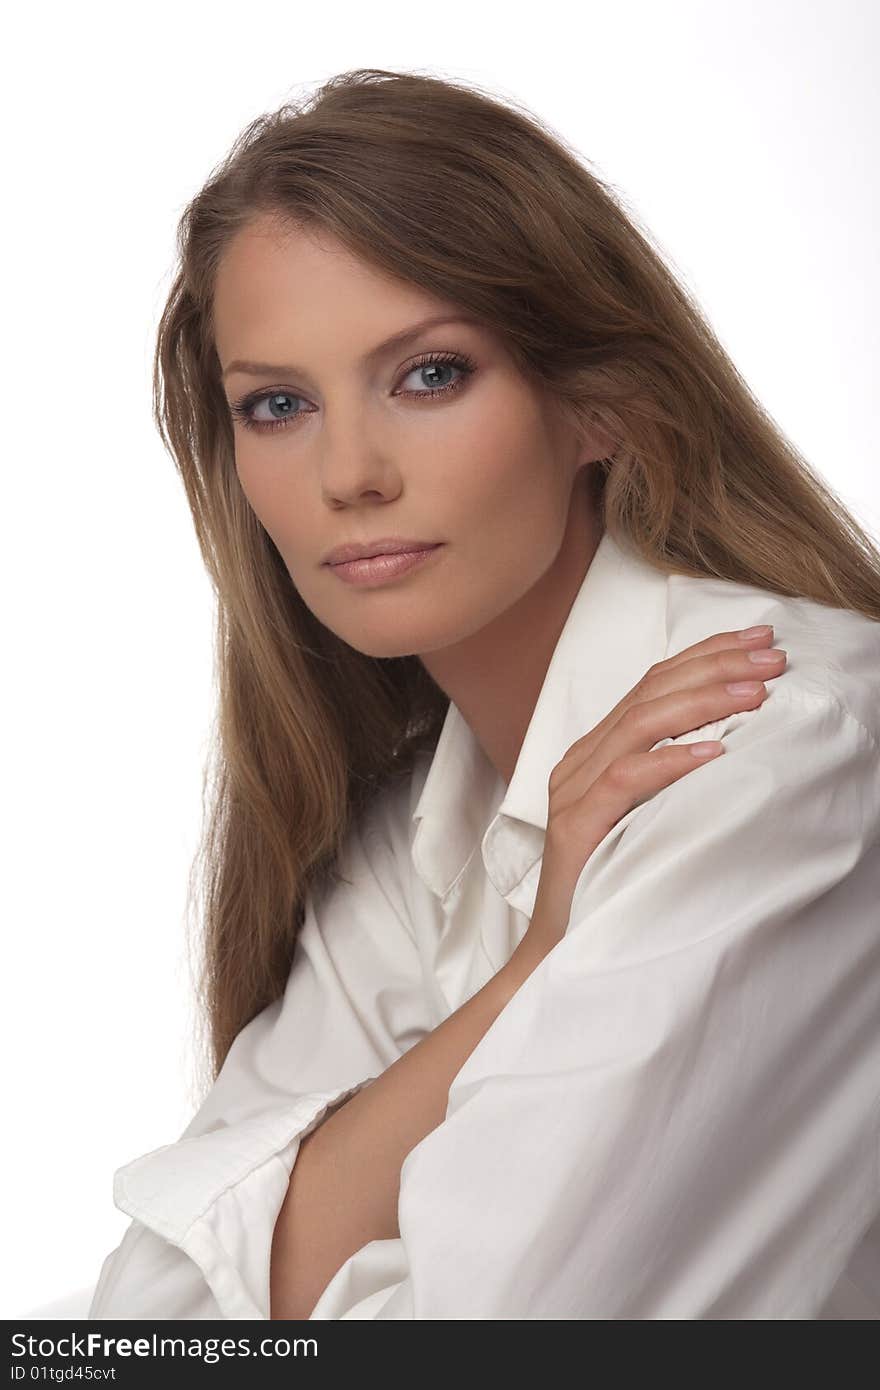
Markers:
point(705, 750)
point(756, 631)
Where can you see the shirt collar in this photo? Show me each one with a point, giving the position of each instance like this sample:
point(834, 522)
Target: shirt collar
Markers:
point(615, 630)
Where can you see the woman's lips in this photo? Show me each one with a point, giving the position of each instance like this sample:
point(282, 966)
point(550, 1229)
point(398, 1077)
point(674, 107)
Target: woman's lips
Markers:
point(380, 569)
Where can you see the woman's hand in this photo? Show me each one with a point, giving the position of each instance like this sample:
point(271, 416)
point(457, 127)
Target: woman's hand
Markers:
point(610, 770)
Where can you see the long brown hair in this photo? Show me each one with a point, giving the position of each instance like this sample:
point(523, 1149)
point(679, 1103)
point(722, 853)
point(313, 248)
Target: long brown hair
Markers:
point(477, 202)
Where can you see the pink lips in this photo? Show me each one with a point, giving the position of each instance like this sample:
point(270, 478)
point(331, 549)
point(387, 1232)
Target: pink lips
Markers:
point(379, 569)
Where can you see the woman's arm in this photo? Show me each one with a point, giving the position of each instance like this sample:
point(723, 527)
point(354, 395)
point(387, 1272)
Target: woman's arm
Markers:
point(344, 1187)
point(676, 1114)
point(345, 1190)
point(204, 1208)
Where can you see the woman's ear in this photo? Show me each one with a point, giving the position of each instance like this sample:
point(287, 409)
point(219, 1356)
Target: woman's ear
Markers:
point(595, 441)
point(589, 440)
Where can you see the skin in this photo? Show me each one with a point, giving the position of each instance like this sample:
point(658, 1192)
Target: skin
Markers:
point(491, 469)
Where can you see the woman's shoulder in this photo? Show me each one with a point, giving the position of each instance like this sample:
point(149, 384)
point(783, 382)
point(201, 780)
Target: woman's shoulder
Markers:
point(833, 653)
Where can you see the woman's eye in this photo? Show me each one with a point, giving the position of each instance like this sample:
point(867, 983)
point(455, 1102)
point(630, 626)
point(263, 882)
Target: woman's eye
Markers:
point(280, 406)
point(432, 374)
point(277, 407)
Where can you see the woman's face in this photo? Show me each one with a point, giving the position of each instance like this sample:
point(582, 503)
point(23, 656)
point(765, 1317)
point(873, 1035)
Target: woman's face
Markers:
point(340, 454)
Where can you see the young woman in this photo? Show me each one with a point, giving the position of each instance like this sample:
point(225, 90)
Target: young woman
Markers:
point(518, 1008)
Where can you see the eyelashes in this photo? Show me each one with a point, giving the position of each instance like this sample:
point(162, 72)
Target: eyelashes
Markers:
point(243, 409)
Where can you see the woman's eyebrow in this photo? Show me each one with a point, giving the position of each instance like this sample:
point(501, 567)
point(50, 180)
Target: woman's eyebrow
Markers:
point(395, 341)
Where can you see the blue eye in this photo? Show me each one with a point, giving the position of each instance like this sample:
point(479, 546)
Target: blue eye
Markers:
point(243, 410)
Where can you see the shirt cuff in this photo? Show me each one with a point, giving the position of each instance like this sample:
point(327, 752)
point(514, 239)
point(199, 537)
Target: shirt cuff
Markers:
point(217, 1195)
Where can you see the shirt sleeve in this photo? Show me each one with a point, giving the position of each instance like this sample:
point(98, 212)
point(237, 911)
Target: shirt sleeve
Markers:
point(678, 1113)
point(204, 1208)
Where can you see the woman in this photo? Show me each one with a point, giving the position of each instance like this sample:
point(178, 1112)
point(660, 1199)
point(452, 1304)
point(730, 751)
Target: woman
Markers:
point(517, 1009)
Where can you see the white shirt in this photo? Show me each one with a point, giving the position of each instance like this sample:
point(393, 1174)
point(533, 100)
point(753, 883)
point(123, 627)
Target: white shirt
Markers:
point(677, 1115)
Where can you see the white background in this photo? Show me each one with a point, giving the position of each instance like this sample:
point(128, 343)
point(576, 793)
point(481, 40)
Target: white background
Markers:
point(742, 133)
